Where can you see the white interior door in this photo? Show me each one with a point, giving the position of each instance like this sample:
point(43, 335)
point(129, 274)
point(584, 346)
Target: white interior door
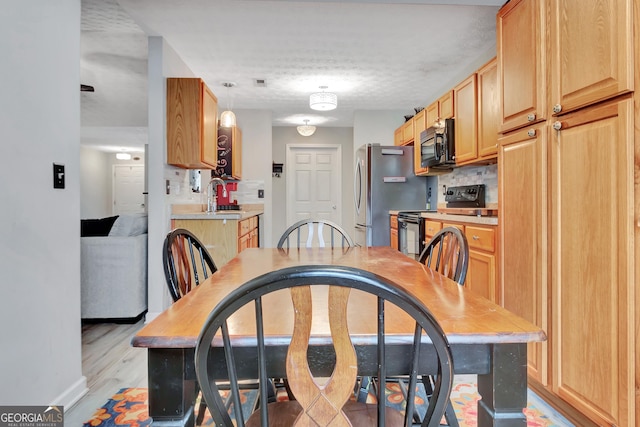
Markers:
point(128, 189)
point(314, 182)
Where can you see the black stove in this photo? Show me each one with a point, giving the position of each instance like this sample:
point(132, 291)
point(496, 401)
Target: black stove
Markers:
point(465, 196)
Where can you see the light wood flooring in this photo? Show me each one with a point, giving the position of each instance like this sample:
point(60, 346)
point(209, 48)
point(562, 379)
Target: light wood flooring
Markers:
point(109, 363)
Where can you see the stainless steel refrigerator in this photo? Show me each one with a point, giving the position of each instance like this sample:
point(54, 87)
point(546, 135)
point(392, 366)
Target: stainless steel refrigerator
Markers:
point(384, 180)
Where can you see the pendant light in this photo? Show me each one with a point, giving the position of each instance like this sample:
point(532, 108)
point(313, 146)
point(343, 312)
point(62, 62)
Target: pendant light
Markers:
point(323, 101)
point(227, 118)
point(306, 130)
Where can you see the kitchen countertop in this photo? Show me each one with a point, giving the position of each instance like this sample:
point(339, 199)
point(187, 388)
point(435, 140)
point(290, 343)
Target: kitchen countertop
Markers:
point(471, 219)
point(196, 212)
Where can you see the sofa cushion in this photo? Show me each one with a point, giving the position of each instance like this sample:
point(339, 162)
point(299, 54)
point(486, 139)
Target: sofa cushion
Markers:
point(129, 225)
point(96, 227)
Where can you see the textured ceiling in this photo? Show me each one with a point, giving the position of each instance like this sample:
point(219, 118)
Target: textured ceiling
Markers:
point(374, 55)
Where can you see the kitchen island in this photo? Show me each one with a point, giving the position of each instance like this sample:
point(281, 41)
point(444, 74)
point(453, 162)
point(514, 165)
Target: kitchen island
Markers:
point(224, 233)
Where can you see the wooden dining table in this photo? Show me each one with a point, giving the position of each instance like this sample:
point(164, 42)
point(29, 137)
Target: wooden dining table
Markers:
point(485, 339)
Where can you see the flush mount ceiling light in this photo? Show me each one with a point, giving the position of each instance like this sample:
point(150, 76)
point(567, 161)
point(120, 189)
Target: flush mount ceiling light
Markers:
point(227, 118)
point(123, 156)
point(323, 101)
point(306, 130)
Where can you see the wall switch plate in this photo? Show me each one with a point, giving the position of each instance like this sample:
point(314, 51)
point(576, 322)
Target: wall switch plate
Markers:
point(168, 186)
point(260, 194)
point(58, 176)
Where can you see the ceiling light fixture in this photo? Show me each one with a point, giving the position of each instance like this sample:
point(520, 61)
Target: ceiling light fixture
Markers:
point(323, 101)
point(123, 156)
point(306, 130)
point(227, 118)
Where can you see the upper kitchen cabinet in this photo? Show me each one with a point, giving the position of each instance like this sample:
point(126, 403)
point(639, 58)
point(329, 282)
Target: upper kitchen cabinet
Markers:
point(407, 132)
point(192, 124)
point(229, 153)
point(591, 48)
point(419, 125)
point(466, 125)
point(440, 109)
point(488, 110)
point(522, 61)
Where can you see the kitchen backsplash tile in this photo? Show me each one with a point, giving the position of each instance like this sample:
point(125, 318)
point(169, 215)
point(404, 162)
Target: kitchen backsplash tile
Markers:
point(470, 175)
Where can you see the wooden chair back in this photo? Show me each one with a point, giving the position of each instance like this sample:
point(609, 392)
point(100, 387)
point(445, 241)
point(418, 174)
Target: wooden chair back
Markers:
point(186, 262)
point(448, 253)
point(314, 233)
point(330, 402)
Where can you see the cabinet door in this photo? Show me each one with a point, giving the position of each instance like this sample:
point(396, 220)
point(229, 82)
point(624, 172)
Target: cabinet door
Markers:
point(488, 110)
point(191, 124)
point(466, 126)
point(433, 114)
point(446, 106)
point(481, 274)
point(592, 51)
point(522, 183)
point(419, 125)
point(397, 136)
point(520, 30)
point(219, 237)
point(209, 146)
point(407, 132)
point(592, 260)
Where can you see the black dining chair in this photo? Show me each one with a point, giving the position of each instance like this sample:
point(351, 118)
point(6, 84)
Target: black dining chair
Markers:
point(312, 233)
point(319, 402)
point(186, 261)
point(448, 253)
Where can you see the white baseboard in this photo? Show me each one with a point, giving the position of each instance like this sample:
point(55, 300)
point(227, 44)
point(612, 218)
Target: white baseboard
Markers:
point(150, 316)
point(73, 394)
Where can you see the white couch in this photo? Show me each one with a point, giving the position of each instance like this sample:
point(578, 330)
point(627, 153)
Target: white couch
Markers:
point(114, 271)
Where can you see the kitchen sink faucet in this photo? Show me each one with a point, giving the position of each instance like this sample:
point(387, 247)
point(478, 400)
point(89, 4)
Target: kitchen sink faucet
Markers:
point(212, 194)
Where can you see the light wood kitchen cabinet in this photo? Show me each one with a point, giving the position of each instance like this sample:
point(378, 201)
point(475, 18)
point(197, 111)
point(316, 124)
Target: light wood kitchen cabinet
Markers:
point(192, 124)
point(393, 224)
point(229, 147)
point(592, 260)
point(419, 125)
point(591, 47)
point(488, 110)
point(466, 114)
point(481, 276)
point(440, 109)
point(407, 132)
point(522, 63)
point(522, 178)
point(224, 239)
point(397, 136)
point(248, 233)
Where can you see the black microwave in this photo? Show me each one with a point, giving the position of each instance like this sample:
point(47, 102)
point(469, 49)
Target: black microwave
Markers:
point(437, 145)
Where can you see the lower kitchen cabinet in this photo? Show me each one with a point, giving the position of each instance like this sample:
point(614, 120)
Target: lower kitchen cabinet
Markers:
point(592, 262)
point(481, 276)
point(522, 173)
point(223, 238)
point(393, 223)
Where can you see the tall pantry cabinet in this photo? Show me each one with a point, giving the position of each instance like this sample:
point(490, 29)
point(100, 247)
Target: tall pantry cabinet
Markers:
point(575, 275)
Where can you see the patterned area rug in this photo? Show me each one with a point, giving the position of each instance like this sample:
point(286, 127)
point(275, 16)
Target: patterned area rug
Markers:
point(128, 408)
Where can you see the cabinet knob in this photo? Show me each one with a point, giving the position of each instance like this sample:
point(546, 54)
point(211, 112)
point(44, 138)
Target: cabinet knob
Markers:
point(531, 117)
point(557, 125)
point(557, 108)
point(475, 237)
point(531, 133)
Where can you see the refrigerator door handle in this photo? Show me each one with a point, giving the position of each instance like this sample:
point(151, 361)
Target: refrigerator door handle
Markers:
point(357, 187)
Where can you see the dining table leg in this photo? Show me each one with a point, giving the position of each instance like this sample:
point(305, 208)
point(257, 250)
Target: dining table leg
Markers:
point(172, 390)
point(504, 388)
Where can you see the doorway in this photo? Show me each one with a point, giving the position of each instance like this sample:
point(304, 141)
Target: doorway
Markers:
point(314, 182)
point(128, 189)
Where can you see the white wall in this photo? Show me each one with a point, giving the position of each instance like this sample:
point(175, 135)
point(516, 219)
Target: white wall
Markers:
point(39, 237)
point(95, 184)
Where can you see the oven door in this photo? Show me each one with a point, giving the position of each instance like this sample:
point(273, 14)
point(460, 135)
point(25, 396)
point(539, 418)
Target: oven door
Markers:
point(410, 236)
